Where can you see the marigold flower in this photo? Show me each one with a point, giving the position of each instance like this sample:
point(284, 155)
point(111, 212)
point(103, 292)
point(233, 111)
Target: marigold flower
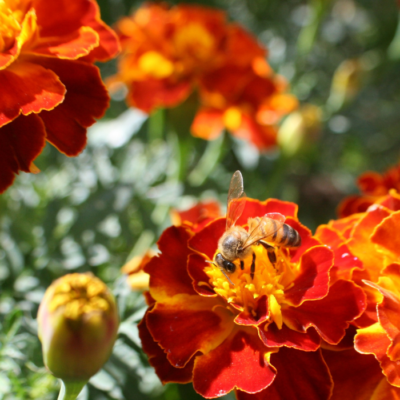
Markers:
point(382, 338)
point(371, 237)
point(198, 216)
point(256, 335)
point(165, 50)
point(372, 186)
point(168, 52)
point(77, 323)
point(50, 89)
point(244, 103)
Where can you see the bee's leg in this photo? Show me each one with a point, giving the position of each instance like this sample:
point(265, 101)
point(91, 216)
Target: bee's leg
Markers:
point(253, 266)
point(242, 265)
point(271, 253)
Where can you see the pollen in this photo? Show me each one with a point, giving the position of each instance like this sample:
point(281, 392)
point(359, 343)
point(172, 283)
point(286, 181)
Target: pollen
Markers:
point(12, 13)
point(269, 280)
point(78, 295)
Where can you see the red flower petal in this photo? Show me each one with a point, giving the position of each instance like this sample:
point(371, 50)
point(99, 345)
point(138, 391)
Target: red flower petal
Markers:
point(356, 376)
point(247, 318)
point(274, 337)
point(207, 124)
point(21, 141)
point(345, 262)
point(206, 240)
point(331, 315)
point(109, 45)
point(86, 100)
point(307, 241)
point(313, 281)
point(168, 273)
point(184, 328)
point(69, 46)
point(300, 375)
point(195, 268)
point(153, 93)
point(387, 234)
point(353, 205)
point(239, 362)
point(158, 359)
point(256, 208)
point(28, 88)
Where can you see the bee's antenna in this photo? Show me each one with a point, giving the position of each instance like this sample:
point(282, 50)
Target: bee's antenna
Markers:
point(222, 270)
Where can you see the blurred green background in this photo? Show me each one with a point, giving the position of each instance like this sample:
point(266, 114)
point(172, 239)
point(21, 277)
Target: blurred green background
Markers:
point(96, 211)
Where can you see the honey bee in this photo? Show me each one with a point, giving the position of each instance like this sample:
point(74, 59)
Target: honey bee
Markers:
point(269, 231)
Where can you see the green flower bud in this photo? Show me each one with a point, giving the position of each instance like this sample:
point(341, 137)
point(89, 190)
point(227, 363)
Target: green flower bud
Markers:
point(78, 323)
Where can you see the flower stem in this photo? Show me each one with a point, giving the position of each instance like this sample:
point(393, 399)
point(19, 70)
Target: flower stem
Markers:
point(70, 390)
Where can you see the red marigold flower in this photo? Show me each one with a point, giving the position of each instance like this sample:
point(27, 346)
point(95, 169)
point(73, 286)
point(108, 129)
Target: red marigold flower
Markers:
point(197, 216)
point(253, 336)
point(50, 90)
point(372, 186)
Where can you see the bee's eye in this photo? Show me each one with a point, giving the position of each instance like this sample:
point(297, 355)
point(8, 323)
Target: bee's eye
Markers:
point(229, 266)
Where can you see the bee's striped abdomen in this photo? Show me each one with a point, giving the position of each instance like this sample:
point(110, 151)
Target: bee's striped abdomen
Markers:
point(287, 236)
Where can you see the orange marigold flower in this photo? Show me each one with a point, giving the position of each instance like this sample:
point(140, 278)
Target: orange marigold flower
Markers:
point(372, 186)
point(254, 335)
point(382, 338)
point(246, 104)
point(372, 237)
point(168, 52)
point(165, 50)
point(50, 89)
point(197, 216)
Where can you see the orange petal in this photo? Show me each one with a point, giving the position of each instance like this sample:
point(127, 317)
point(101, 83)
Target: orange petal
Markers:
point(387, 235)
point(28, 88)
point(207, 124)
point(70, 46)
point(21, 141)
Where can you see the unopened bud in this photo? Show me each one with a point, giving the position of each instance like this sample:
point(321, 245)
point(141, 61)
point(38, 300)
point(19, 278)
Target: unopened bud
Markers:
point(78, 323)
point(300, 131)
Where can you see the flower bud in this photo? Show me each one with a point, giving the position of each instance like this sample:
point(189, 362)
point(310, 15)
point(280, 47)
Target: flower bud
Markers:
point(300, 131)
point(77, 324)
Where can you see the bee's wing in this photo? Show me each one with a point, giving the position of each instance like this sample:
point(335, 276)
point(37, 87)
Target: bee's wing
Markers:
point(236, 200)
point(264, 227)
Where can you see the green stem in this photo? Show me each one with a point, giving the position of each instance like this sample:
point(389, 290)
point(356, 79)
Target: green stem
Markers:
point(156, 124)
point(70, 390)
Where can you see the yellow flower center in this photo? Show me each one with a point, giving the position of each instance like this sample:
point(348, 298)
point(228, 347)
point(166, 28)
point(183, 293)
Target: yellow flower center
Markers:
point(78, 295)
point(270, 279)
point(194, 40)
point(156, 65)
point(232, 118)
point(12, 13)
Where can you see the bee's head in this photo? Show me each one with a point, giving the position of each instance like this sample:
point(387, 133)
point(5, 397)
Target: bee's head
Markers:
point(224, 264)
